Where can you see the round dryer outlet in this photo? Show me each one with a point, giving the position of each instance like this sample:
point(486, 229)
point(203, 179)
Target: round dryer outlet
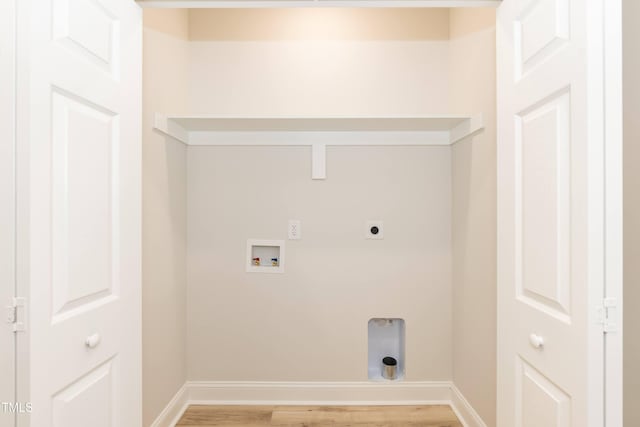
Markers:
point(374, 230)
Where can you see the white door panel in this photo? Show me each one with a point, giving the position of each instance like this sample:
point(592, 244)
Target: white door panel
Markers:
point(84, 162)
point(98, 42)
point(7, 206)
point(75, 404)
point(540, 403)
point(540, 30)
point(549, 215)
point(542, 145)
point(84, 205)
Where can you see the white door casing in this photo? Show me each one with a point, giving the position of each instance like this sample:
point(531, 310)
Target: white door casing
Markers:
point(7, 210)
point(80, 199)
point(613, 153)
point(550, 213)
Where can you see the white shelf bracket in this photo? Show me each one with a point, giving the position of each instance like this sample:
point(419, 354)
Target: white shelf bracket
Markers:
point(467, 128)
point(318, 161)
point(168, 127)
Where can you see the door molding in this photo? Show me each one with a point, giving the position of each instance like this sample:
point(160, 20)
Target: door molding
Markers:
point(7, 201)
point(613, 134)
point(22, 204)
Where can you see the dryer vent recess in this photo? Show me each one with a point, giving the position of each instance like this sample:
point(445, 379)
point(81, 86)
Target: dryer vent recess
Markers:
point(386, 349)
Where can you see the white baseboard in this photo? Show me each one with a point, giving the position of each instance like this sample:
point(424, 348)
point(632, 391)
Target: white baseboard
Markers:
point(463, 409)
point(318, 393)
point(171, 414)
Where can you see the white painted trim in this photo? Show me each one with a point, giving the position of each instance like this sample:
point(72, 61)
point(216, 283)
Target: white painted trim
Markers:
point(328, 138)
point(466, 129)
point(172, 413)
point(169, 127)
point(8, 146)
point(220, 4)
point(23, 203)
point(613, 154)
point(463, 409)
point(318, 161)
point(318, 393)
point(305, 131)
point(596, 250)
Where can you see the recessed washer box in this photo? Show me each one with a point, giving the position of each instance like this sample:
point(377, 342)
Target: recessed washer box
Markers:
point(265, 256)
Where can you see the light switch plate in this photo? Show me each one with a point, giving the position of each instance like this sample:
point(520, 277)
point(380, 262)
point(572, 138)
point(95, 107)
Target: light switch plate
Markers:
point(295, 229)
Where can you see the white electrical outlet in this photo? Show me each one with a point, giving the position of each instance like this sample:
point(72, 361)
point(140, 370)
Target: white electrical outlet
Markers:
point(374, 230)
point(295, 229)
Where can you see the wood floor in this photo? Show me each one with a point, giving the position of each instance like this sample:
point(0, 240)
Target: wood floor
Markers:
point(314, 416)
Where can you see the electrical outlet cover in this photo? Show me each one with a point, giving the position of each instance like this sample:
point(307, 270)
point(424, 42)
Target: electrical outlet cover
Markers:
point(295, 229)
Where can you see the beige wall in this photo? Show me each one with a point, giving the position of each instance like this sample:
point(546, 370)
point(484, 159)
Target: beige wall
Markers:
point(170, 22)
point(318, 77)
point(472, 88)
point(631, 60)
point(164, 212)
point(301, 63)
point(318, 24)
point(310, 324)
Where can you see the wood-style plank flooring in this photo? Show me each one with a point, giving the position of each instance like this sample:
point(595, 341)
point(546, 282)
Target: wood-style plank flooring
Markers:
point(314, 416)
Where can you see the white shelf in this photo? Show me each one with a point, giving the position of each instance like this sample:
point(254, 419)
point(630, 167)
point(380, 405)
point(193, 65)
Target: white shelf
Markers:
point(319, 132)
point(372, 130)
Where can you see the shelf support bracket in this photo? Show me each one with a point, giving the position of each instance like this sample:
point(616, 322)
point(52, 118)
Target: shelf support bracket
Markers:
point(166, 126)
point(467, 128)
point(318, 161)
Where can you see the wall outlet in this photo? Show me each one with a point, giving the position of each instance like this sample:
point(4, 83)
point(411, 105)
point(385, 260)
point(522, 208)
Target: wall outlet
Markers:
point(374, 230)
point(295, 229)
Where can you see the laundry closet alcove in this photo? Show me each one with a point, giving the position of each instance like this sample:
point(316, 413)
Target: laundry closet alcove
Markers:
point(335, 118)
